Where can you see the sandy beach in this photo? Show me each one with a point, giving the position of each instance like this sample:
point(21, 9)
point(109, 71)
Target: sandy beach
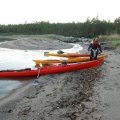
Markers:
point(92, 94)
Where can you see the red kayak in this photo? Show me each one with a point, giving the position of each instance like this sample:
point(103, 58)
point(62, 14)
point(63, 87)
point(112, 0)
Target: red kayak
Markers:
point(53, 69)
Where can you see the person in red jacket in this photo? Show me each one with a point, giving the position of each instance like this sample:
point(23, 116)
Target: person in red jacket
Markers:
point(94, 49)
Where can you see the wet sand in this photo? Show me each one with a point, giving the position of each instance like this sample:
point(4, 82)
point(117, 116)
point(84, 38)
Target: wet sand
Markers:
point(91, 94)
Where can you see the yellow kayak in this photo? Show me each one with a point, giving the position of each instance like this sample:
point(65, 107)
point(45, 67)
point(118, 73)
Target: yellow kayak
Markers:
point(69, 60)
point(67, 54)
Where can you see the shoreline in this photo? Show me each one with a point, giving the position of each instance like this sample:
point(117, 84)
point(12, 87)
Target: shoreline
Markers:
point(14, 97)
point(69, 96)
point(19, 43)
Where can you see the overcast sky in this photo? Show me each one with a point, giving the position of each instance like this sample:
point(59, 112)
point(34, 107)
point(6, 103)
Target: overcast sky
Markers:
point(21, 11)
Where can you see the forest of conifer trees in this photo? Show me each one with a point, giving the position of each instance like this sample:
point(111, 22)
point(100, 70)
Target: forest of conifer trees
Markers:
point(89, 28)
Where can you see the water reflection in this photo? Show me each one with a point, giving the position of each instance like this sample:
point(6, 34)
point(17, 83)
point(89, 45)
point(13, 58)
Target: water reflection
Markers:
point(6, 86)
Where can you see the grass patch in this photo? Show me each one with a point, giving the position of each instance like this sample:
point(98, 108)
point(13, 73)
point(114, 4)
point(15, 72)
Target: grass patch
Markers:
point(114, 40)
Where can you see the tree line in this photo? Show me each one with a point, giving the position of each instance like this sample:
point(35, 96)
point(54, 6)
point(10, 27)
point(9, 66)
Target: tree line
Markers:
point(89, 28)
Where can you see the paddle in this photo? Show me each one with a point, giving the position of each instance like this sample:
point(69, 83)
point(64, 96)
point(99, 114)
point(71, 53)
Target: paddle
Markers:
point(36, 82)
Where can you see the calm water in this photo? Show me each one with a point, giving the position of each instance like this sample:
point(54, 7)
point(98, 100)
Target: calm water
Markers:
point(20, 59)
